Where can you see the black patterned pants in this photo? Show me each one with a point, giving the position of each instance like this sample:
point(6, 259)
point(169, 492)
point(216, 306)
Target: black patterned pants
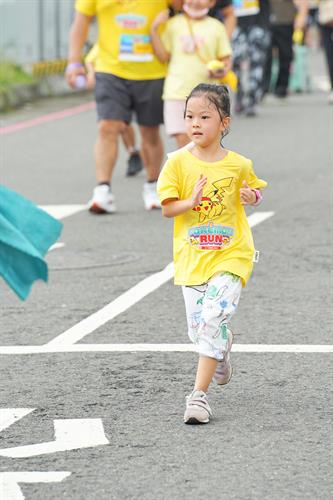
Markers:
point(250, 44)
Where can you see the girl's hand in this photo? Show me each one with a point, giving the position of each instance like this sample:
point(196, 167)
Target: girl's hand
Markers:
point(161, 18)
point(198, 191)
point(247, 196)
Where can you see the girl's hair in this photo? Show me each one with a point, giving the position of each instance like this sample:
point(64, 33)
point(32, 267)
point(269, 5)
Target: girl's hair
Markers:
point(217, 95)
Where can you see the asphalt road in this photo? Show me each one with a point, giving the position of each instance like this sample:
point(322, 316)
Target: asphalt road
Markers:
point(271, 436)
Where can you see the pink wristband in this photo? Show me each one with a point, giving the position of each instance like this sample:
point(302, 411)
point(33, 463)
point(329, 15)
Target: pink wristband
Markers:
point(258, 194)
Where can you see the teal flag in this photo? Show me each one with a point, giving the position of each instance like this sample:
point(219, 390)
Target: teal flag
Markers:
point(26, 234)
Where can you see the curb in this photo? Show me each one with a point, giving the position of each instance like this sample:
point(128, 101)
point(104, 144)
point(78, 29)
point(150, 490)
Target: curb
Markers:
point(20, 94)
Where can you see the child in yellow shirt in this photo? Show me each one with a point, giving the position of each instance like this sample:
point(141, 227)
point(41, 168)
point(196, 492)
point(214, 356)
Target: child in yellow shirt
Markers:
point(190, 42)
point(205, 189)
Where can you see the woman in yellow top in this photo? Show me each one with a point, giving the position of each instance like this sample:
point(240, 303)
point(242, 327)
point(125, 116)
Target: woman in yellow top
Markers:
point(205, 189)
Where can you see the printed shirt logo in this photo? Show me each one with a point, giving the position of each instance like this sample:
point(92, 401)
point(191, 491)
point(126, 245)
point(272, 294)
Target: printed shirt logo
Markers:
point(210, 236)
point(131, 21)
point(211, 205)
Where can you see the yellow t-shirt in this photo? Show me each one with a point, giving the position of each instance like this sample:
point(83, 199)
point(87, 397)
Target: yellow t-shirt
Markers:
point(214, 236)
point(91, 57)
point(186, 68)
point(124, 47)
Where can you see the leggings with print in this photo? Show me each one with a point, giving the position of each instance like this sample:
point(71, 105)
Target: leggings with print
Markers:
point(209, 308)
point(250, 43)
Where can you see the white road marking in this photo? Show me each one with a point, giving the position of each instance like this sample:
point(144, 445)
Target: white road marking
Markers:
point(255, 348)
point(129, 298)
point(8, 416)
point(62, 211)
point(116, 307)
point(9, 482)
point(70, 434)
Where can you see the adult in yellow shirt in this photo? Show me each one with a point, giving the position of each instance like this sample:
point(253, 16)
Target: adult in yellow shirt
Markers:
point(129, 79)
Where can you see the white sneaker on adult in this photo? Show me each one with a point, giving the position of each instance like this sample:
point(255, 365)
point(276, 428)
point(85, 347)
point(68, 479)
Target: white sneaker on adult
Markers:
point(150, 197)
point(102, 201)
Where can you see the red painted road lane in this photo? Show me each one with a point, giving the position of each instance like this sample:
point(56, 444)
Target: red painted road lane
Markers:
point(50, 117)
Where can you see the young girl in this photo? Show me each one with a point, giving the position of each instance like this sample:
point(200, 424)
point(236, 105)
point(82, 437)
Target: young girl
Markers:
point(190, 41)
point(205, 189)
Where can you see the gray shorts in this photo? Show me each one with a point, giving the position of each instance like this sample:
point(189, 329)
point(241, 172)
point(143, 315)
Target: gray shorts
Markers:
point(117, 99)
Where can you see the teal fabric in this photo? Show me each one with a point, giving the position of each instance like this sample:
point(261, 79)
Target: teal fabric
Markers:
point(26, 233)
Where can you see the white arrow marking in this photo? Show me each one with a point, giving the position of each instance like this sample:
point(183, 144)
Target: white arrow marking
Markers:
point(9, 416)
point(10, 490)
point(70, 434)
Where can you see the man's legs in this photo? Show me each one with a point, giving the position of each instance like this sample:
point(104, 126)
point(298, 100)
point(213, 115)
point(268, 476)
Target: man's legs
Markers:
point(106, 152)
point(152, 151)
point(106, 148)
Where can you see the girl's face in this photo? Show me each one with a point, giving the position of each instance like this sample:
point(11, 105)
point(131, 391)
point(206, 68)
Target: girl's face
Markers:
point(203, 122)
point(197, 9)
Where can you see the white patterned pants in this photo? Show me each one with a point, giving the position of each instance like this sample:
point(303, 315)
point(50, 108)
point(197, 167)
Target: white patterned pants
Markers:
point(209, 308)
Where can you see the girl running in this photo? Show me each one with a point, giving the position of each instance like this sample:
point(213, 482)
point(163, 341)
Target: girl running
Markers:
point(205, 189)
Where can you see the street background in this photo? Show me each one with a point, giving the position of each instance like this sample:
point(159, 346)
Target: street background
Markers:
point(271, 433)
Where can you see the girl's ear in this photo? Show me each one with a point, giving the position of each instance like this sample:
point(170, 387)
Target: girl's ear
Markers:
point(225, 123)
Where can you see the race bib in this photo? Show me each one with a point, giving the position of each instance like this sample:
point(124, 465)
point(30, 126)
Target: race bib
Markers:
point(246, 7)
point(136, 48)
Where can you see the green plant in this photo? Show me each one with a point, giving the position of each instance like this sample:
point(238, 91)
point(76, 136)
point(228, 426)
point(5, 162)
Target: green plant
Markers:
point(11, 74)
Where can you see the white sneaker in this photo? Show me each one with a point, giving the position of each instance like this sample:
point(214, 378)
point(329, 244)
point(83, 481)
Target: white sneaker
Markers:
point(198, 410)
point(102, 201)
point(150, 197)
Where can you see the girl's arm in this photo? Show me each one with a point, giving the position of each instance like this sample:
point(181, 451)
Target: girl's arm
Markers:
point(250, 196)
point(172, 207)
point(161, 53)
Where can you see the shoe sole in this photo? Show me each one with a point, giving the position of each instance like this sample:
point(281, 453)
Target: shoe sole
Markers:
point(96, 209)
point(194, 421)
